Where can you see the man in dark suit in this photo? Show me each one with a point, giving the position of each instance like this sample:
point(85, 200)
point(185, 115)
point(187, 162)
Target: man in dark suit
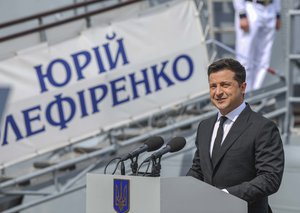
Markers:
point(238, 150)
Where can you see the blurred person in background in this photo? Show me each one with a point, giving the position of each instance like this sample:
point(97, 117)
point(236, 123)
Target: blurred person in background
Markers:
point(256, 22)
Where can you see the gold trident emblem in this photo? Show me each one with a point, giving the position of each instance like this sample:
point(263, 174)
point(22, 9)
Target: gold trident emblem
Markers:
point(121, 196)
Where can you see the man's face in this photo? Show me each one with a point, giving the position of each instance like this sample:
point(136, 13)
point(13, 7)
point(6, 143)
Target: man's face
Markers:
point(225, 92)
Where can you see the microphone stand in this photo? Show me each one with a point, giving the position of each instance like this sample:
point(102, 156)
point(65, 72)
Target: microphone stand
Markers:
point(156, 167)
point(122, 168)
point(134, 165)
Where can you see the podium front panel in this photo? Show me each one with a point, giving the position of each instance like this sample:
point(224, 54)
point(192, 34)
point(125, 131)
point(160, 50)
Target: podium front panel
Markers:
point(134, 194)
point(189, 195)
point(144, 194)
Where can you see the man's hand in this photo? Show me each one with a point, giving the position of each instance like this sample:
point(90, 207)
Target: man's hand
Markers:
point(225, 190)
point(244, 24)
point(278, 24)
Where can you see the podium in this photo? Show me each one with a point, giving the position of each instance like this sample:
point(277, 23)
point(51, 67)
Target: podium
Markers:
point(138, 194)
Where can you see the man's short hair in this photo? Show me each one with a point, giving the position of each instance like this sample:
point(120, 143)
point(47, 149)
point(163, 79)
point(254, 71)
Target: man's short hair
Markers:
point(229, 64)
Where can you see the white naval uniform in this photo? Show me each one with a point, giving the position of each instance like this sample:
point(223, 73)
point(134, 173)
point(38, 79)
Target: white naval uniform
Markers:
point(253, 48)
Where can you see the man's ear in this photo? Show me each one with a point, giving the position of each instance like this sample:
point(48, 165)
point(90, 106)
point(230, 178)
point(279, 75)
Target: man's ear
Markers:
point(243, 87)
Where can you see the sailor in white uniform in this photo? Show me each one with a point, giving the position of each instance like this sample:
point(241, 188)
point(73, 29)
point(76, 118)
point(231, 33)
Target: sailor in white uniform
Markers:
point(255, 24)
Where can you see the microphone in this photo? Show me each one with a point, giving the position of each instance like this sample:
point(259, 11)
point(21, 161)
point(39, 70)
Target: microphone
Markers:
point(153, 143)
point(174, 145)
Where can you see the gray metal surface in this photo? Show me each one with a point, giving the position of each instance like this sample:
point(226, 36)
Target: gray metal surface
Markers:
point(4, 95)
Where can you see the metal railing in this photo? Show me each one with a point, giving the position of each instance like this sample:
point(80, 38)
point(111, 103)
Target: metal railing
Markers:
point(291, 58)
point(41, 16)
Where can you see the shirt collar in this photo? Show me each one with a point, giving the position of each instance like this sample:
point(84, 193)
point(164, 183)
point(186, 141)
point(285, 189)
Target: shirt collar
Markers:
point(234, 113)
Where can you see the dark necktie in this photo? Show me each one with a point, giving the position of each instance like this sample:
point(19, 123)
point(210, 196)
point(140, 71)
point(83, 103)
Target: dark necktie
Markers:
point(218, 139)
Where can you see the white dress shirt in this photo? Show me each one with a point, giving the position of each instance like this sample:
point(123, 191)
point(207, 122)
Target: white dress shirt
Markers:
point(240, 5)
point(231, 118)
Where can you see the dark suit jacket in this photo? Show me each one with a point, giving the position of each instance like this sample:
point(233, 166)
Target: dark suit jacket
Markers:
point(250, 163)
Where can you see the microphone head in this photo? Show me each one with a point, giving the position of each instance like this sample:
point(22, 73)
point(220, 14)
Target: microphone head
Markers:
point(154, 143)
point(176, 144)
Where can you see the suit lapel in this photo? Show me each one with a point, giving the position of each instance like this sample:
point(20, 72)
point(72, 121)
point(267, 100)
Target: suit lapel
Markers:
point(239, 126)
point(205, 151)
